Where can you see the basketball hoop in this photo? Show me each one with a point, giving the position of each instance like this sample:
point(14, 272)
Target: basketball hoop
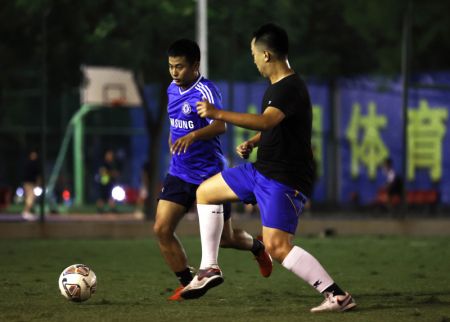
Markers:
point(117, 102)
point(109, 86)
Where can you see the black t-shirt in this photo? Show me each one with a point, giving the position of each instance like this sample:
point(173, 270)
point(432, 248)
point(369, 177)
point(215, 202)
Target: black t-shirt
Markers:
point(284, 152)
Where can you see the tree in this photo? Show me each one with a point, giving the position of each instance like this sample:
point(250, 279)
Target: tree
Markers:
point(328, 38)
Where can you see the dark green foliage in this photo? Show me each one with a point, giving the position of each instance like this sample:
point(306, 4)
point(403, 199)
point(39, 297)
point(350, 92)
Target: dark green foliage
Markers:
point(328, 38)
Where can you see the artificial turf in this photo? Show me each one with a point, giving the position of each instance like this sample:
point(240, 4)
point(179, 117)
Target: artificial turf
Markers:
point(391, 278)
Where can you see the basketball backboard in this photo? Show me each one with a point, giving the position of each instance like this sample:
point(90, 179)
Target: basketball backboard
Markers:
point(109, 86)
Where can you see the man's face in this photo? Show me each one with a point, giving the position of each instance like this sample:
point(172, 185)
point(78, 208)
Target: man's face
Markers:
point(259, 57)
point(183, 73)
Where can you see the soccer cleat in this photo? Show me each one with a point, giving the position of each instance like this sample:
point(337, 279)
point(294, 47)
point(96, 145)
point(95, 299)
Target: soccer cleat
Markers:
point(264, 260)
point(337, 303)
point(265, 263)
point(202, 282)
point(176, 296)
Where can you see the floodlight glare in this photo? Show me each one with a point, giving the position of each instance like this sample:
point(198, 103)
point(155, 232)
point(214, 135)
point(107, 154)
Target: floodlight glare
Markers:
point(19, 192)
point(37, 191)
point(118, 193)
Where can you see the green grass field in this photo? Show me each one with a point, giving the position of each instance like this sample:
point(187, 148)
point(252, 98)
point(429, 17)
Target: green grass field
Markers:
point(392, 279)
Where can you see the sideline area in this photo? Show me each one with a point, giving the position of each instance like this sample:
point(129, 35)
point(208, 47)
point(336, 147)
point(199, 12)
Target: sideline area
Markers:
point(127, 225)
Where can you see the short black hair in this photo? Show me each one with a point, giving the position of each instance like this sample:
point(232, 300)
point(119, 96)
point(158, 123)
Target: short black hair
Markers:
point(185, 48)
point(274, 38)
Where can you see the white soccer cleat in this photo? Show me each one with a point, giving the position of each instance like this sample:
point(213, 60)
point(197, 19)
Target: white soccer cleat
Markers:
point(202, 282)
point(337, 303)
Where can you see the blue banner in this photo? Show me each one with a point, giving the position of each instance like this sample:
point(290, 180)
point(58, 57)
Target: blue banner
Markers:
point(369, 127)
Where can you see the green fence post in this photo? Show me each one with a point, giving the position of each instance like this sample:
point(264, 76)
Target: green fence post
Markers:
point(75, 128)
point(78, 156)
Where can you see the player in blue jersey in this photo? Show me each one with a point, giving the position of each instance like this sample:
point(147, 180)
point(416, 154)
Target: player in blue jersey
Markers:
point(280, 180)
point(196, 156)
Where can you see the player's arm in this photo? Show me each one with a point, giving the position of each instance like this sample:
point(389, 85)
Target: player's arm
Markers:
point(255, 139)
point(259, 122)
point(245, 148)
point(206, 133)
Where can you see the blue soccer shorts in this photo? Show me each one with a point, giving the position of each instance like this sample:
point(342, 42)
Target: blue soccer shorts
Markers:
point(183, 193)
point(280, 205)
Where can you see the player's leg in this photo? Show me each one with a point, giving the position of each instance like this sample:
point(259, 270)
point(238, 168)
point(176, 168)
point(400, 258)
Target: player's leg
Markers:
point(239, 239)
point(235, 238)
point(112, 205)
point(175, 198)
point(109, 198)
point(104, 195)
point(168, 215)
point(230, 185)
point(280, 208)
point(211, 194)
point(307, 267)
point(28, 188)
point(27, 212)
point(279, 245)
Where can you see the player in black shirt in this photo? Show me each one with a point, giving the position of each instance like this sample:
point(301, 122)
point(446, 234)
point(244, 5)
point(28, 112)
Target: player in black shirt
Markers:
point(284, 152)
point(280, 181)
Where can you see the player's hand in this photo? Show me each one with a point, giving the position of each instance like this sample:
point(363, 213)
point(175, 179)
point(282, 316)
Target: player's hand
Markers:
point(181, 145)
point(206, 109)
point(244, 149)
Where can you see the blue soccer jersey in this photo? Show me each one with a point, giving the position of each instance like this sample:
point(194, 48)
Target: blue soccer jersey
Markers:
point(203, 158)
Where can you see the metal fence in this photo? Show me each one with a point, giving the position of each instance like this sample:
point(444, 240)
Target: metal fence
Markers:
point(357, 124)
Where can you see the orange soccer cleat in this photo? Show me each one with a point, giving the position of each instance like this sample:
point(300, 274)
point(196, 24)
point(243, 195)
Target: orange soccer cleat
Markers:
point(176, 296)
point(265, 263)
point(264, 260)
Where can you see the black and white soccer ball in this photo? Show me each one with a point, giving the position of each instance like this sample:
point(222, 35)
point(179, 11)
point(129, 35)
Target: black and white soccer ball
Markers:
point(77, 283)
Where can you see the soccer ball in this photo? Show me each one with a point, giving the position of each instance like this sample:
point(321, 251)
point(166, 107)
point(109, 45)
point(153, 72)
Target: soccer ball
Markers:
point(77, 282)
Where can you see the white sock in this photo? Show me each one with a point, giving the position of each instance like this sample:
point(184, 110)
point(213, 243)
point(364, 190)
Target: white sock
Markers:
point(305, 266)
point(210, 218)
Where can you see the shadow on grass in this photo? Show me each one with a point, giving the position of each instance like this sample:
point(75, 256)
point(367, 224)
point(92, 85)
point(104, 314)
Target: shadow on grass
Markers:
point(396, 300)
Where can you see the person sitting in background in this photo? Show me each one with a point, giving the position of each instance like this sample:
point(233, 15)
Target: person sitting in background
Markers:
point(106, 177)
point(139, 212)
point(31, 179)
point(393, 188)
